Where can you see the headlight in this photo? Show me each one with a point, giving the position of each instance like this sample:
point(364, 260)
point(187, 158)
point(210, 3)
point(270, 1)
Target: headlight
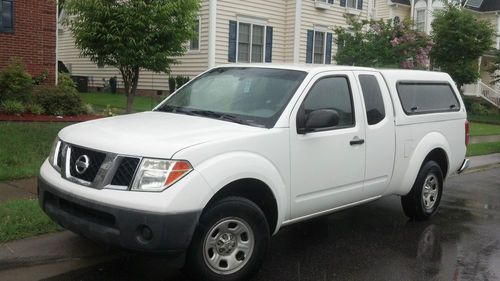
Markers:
point(56, 145)
point(157, 174)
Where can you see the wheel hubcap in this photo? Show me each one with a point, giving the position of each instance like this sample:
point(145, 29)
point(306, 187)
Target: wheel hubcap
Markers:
point(430, 191)
point(228, 245)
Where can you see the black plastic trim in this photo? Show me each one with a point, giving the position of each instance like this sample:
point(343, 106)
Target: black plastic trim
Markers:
point(171, 233)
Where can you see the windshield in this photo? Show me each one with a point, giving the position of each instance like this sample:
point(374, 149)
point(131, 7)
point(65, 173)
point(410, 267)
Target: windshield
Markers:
point(246, 95)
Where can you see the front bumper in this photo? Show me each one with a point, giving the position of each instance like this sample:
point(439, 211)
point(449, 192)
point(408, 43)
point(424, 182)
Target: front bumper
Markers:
point(130, 229)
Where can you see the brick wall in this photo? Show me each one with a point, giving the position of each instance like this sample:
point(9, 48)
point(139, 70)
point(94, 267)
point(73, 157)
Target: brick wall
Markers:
point(34, 37)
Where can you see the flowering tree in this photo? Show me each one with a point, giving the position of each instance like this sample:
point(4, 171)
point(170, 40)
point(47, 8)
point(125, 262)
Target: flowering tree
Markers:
point(382, 44)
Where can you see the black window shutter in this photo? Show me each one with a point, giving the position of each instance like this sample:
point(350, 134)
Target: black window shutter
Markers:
point(330, 1)
point(328, 52)
point(360, 4)
point(269, 44)
point(231, 56)
point(309, 51)
point(6, 16)
point(343, 3)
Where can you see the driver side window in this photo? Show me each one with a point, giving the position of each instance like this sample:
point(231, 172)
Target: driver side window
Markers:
point(332, 93)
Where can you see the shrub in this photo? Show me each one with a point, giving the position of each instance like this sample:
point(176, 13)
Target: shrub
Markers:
point(479, 109)
point(15, 82)
point(12, 107)
point(59, 100)
point(171, 84)
point(37, 80)
point(36, 109)
point(181, 80)
point(64, 81)
point(88, 109)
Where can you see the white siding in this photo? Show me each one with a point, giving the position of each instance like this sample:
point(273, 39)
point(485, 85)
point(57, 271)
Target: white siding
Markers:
point(272, 12)
point(191, 64)
point(382, 9)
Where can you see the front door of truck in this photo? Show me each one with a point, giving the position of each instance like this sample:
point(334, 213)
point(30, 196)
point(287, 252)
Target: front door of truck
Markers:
point(327, 163)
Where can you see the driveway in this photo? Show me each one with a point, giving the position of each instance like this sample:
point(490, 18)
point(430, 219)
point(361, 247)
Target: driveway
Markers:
point(369, 242)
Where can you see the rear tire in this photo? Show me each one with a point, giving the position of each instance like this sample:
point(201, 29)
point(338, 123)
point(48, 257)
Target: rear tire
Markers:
point(424, 198)
point(230, 242)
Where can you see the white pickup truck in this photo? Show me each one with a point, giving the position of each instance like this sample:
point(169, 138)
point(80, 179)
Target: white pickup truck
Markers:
point(244, 150)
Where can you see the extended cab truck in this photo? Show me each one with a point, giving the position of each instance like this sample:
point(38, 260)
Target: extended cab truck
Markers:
point(243, 150)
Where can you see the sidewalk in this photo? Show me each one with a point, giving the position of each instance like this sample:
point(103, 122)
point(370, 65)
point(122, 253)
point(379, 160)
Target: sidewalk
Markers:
point(68, 247)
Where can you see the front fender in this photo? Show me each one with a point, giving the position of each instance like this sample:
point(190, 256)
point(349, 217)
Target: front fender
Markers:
point(428, 143)
point(228, 167)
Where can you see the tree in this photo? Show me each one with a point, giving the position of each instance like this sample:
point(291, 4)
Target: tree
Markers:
point(460, 38)
point(132, 34)
point(382, 44)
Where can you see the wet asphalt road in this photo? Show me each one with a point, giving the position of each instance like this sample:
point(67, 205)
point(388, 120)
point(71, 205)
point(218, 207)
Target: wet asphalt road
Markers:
point(369, 242)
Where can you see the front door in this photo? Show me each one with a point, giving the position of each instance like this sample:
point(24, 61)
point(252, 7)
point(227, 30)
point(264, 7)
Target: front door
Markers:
point(327, 164)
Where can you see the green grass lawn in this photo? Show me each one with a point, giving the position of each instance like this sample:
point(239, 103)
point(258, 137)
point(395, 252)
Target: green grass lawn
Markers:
point(23, 218)
point(24, 147)
point(482, 129)
point(100, 101)
point(475, 149)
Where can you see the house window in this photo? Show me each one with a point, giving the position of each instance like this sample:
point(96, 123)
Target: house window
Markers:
point(194, 44)
point(420, 20)
point(319, 47)
point(6, 16)
point(352, 3)
point(250, 42)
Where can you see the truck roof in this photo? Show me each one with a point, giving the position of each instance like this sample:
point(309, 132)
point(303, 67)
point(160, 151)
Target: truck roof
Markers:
point(390, 74)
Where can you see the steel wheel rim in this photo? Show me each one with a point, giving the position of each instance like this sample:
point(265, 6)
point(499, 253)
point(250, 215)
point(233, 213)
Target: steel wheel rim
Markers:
point(228, 245)
point(430, 191)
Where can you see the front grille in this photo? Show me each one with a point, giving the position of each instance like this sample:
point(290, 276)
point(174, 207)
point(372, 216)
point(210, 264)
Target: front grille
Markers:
point(125, 171)
point(60, 155)
point(95, 160)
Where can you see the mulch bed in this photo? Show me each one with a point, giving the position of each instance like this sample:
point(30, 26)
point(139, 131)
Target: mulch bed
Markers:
point(47, 118)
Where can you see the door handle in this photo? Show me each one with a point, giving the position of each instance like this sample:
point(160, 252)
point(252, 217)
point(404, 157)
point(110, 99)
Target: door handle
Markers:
point(357, 141)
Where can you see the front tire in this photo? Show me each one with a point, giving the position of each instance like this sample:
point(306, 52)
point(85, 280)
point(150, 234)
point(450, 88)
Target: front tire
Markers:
point(230, 242)
point(424, 198)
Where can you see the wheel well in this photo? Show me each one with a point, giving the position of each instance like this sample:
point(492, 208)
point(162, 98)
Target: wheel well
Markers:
point(255, 191)
point(440, 157)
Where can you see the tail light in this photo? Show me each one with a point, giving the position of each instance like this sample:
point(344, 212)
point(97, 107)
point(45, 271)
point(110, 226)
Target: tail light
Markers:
point(467, 133)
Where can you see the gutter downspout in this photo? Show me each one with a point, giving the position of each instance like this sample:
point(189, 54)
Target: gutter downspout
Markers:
point(412, 9)
point(56, 74)
point(212, 25)
point(498, 30)
point(296, 37)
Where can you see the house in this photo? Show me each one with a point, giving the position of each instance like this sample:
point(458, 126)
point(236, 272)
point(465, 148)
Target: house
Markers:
point(28, 32)
point(230, 31)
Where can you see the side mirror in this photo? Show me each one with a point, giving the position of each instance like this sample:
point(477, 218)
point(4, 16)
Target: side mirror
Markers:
point(319, 119)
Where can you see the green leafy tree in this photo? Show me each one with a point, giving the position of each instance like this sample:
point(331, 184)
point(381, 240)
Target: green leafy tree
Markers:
point(460, 38)
point(382, 44)
point(132, 34)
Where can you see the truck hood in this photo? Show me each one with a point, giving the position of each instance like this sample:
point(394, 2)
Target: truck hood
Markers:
point(151, 134)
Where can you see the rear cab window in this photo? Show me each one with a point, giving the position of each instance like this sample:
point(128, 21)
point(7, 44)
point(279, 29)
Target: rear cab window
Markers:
point(374, 103)
point(420, 97)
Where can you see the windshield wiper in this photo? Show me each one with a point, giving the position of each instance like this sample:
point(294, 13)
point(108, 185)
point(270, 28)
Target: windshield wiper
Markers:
point(224, 116)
